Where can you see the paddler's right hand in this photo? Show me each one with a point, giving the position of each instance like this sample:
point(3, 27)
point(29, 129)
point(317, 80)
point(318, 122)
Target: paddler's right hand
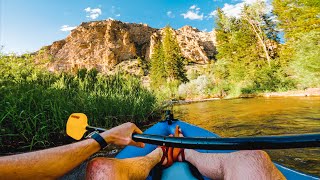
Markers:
point(122, 135)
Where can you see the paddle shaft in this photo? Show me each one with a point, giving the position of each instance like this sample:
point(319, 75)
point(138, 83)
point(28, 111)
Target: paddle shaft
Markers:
point(91, 129)
point(244, 143)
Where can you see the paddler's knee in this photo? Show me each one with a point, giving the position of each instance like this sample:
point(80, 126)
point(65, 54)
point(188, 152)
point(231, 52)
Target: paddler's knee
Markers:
point(260, 154)
point(100, 166)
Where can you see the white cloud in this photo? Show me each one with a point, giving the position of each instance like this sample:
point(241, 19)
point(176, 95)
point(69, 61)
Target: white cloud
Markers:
point(170, 15)
point(67, 28)
point(193, 13)
point(193, 7)
point(93, 13)
point(234, 10)
point(117, 15)
point(205, 30)
point(212, 14)
point(88, 9)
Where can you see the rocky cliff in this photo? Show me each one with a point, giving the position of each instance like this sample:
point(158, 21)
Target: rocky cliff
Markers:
point(105, 44)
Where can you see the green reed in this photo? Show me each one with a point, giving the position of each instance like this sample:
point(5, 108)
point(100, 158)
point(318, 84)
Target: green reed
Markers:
point(35, 104)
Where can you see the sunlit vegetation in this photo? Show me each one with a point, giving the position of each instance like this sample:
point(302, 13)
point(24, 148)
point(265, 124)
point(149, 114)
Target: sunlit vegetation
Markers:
point(167, 66)
point(251, 59)
point(36, 104)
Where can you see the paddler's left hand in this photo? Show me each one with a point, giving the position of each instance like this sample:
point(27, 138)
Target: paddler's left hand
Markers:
point(122, 135)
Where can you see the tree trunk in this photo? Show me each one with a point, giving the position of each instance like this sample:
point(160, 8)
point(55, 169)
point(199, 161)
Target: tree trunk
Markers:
point(260, 39)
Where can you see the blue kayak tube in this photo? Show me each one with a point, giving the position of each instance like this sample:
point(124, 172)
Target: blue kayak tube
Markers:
point(184, 170)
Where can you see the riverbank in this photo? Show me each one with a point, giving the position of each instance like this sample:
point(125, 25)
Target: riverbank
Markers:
point(296, 93)
point(309, 92)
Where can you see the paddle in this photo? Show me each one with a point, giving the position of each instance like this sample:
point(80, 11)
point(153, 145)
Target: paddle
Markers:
point(77, 125)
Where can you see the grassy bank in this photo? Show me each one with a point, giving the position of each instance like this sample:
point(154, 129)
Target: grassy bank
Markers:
point(36, 104)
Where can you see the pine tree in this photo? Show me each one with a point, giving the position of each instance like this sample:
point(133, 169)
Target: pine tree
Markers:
point(172, 57)
point(158, 73)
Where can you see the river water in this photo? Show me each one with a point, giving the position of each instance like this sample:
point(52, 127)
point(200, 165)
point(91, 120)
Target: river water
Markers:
point(259, 117)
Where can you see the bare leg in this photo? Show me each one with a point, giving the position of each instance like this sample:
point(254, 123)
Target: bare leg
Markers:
point(131, 168)
point(237, 165)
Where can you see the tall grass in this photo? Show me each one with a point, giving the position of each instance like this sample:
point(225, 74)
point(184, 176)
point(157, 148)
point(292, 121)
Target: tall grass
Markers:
point(35, 104)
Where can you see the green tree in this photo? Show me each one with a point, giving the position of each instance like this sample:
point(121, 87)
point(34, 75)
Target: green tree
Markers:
point(247, 50)
point(238, 46)
point(172, 57)
point(167, 63)
point(300, 22)
point(263, 28)
point(157, 70)
point(143, 66)
point(296, 16)
point(306, 61)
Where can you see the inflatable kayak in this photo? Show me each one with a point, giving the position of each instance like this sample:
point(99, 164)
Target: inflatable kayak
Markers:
point(182, 169)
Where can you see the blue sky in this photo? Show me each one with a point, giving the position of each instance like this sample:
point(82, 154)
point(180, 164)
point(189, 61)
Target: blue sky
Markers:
point(27, 25)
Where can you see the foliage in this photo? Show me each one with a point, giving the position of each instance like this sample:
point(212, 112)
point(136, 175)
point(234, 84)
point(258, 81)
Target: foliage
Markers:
point(167, 68)
point(297, 16)
point(35, 104)
point(248, 54)
point(173, 59)
point(199, 88)
point(300, 22)
point(167, 61)
point(306, 61)
point(157, 70)
point(144, 66)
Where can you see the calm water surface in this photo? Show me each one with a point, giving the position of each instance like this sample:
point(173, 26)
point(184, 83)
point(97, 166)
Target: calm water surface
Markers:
point(262, 116)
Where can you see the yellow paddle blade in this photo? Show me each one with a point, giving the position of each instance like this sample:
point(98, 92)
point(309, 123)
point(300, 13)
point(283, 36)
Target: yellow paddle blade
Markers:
point(76, 125)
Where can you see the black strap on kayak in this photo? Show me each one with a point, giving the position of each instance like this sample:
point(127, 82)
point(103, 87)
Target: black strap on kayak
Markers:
point(169, 118)
point(242, 143)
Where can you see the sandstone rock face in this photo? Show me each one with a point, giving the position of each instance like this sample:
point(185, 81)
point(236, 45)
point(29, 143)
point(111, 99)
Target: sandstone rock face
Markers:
point(104, 44)
point(196, 46)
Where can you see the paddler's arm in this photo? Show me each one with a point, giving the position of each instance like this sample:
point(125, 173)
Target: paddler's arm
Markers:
point(55, 162)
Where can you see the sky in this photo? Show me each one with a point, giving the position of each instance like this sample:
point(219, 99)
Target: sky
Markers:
point(28, 25)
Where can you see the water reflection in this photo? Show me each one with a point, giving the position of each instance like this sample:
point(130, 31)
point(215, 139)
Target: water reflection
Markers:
point(262, 116)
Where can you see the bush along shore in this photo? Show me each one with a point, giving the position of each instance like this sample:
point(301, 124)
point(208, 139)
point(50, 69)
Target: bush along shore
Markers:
point(36, 104)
